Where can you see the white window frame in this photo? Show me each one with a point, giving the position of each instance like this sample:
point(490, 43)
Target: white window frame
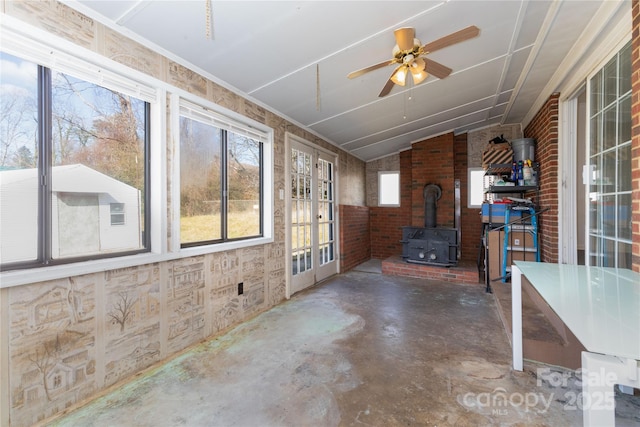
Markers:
point(38, 46)
point(381, 177)
point(476, 185)
point(221, 117)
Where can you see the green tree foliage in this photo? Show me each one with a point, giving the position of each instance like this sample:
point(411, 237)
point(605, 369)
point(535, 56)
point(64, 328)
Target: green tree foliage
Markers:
point(24, 158)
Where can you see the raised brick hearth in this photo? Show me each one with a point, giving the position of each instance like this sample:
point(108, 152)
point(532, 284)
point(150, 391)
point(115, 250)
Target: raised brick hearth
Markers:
point(464, 272)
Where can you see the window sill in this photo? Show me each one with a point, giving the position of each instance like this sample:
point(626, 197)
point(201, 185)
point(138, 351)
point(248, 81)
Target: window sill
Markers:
point(34, 275)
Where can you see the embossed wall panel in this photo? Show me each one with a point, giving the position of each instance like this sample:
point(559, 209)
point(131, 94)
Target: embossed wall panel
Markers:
point(57, 19)
point(132, 321)
point(121, 49)
point(186, 303)
point(51, 347)
point(186, 79)
point(252, 264)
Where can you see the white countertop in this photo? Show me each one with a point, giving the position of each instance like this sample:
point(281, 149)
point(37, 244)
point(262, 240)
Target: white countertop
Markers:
point(601, 306)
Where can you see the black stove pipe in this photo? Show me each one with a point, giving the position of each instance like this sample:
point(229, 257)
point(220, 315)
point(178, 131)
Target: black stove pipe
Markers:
point(431, 194)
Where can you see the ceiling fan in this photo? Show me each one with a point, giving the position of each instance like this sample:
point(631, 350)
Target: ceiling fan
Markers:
point(410, 54)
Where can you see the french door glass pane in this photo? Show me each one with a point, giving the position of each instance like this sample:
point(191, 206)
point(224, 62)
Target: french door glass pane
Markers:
point(301, 211)
point(608, 177)
point(596, 94)
point(325, 211)
point(624, 216)
point(610, 77)
point(624, 81)
point(610, 128)
point(596, 137)
point(624, 255)
point(624, 120)
point(608, 218)
point(624, 168)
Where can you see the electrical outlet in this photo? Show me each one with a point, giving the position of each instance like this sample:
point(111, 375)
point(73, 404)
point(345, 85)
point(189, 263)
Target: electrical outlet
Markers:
point(516, 242)
point(240, 288)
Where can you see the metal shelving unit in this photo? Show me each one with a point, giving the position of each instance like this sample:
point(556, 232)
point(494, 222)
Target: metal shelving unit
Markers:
point(517, 191)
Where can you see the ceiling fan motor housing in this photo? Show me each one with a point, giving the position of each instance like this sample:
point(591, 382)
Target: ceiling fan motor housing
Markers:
point(400, 55)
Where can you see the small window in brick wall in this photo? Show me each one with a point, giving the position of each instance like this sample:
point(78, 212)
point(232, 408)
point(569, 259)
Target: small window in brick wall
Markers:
point(389, 188)
point(477, 185)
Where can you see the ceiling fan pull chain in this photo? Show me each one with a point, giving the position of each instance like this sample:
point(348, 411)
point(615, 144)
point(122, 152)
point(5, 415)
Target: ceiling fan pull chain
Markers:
point(209, 20)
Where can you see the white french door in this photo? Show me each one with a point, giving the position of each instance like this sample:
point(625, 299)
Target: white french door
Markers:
point(609, 237)
point(311, 215)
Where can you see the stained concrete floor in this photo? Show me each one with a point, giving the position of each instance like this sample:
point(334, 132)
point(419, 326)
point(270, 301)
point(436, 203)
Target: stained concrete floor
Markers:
point(360, 349)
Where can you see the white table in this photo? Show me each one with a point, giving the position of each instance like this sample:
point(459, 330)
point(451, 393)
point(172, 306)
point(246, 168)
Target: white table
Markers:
point(601, 306)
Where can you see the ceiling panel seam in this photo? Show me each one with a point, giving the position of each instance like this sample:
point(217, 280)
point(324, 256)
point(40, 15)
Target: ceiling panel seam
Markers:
point(421, 129)
point(514, 39)
point(421, 119)
point(131, 12)
point(550, 17)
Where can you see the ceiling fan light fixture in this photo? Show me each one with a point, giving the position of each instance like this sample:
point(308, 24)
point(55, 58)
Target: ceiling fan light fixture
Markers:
point(400, 76)
point(418, 64)
point(418, 76)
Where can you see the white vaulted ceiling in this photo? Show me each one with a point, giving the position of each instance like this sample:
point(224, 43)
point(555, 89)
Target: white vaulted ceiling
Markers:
point(293, 57)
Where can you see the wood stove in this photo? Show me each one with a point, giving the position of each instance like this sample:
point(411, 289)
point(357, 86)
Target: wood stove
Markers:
point(430, 244)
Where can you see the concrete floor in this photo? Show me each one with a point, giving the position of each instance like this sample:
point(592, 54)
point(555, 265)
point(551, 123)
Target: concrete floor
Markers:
point(359, 349)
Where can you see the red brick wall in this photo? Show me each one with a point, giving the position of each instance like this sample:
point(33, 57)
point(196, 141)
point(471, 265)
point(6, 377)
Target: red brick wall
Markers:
point(440, 161)
point(470, 219)
point(387, 223)
point(544, 128)
point(635, 129)
point(432, 162)
point(354, 236)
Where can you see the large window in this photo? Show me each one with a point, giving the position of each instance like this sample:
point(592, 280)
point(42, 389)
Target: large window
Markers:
point(73, 154)
point(221, 178)
point(610, 163)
